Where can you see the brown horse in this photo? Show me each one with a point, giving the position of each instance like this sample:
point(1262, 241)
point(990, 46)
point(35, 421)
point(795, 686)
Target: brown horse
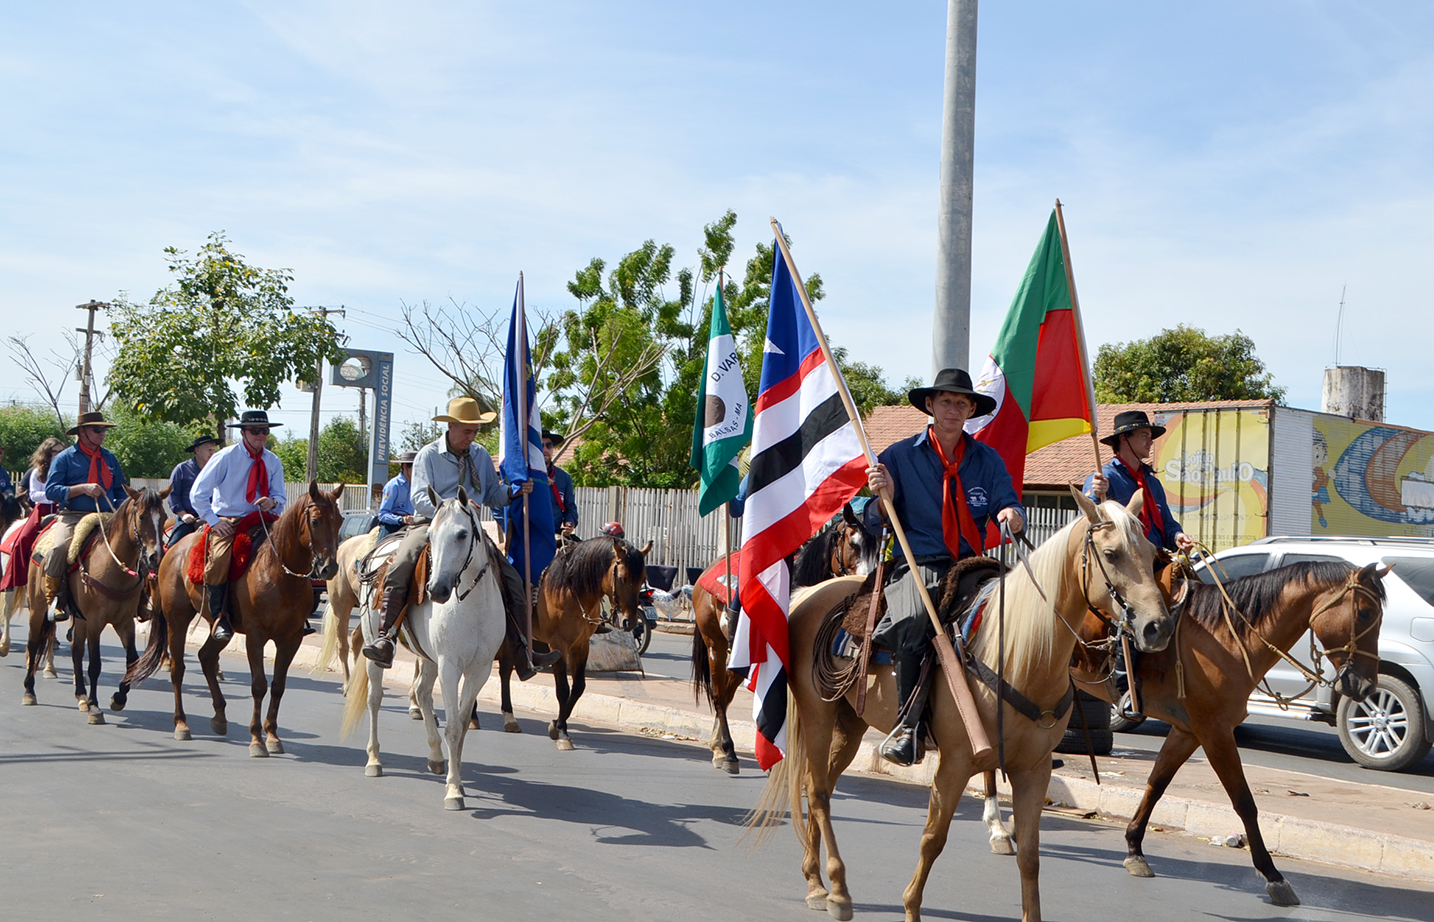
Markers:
point(271, 601)
point(119, 558)
point(843, 548)
point(570, 594)
point(1220, 653)
point(1099, 561)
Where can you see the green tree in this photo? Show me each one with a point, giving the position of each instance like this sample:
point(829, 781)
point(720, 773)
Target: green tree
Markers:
point(22, 429)
point(221, 323)
point(1183, 364)
point(146, 448)
point(343, 453)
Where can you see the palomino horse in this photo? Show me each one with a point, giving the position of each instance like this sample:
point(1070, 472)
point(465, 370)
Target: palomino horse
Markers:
point(344, 589)
point(569, 595)
point(120, 556)
point(456, 633)
point(1098, 561)
point(843, 548)
point(1220, 653)
point(271, 601)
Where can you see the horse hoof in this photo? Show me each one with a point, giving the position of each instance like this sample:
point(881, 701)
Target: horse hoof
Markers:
point(817, 901)
point(439, 767)
point(473, 724)
point(117, 703)
point(1138, 867)
point(373, 771)
point(510, 724)
point(275, 747)
point(453, 803)
point(257, 750)
point(219, 726)
point(415, 714)
point(29, 701)
point(565, 745)
point(730, 766)
point(50, 673)
point(839, 909)
point(553, 730)
point(84, 706)
point(97, 718)
point(1281, 893)
point(1002, 846)
point(183, 735)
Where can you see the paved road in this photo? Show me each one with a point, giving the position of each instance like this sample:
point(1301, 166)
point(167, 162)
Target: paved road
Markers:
point(120, 821)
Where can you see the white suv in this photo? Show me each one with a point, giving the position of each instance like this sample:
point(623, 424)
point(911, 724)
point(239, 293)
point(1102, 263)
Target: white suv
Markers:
point(1392, 729)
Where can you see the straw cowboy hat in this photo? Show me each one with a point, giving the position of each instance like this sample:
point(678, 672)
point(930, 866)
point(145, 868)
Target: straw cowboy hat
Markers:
point(95, 419)
point(953, 381)
point(465, 411)
point(1129, 421)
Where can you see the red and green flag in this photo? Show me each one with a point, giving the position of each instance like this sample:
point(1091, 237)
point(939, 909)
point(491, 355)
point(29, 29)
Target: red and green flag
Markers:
point(1037, 370)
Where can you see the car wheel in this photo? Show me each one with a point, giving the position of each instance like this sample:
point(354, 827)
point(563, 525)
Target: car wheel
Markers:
point(1386, 730)
point(1119, 723)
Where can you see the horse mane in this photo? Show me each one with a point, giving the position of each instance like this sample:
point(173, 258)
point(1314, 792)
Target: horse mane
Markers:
point(1258, 596)
point(810, 566)
point(581, 567)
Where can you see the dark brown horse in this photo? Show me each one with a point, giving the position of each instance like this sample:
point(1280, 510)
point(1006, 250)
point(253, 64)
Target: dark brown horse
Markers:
point(570, 594)
point(120, 556)
point(271, 601)
point(842, 548)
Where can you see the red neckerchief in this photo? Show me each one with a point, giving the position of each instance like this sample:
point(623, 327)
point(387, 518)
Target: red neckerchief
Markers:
point(956, 520)
point(1150, 516)
point(258, 475)
point(99, 468)
point(553, 485)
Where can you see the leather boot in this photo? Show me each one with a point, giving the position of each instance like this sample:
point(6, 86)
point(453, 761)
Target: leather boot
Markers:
point(525, 663)
point(54, 605)
point(222, 630)
point(906, 744)
point(381, 650)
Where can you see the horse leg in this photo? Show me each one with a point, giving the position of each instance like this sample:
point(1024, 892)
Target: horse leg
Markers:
point(258, 689)
point(177, 629)
point(77, 656)
point(457, 702)
point(121, 696)
point(1028, 797)
point(92, 702)
point(414, 711)
point(422, 691)
point(7, 611)
point(41, 631)
point(567, 700)
point(1224, 758)
point(50, 648)
point(821, 758)
point(209, 660)
point(724, 750)
point(283, 658)
point(505, 706)
point(373, 768)
point(1179, 745)
point(1001, 843)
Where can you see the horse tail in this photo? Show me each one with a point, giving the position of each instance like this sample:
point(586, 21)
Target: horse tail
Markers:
point(330, 647)
point(356, 701)
point(786, 785)
point(701, 668)
point(156, 649)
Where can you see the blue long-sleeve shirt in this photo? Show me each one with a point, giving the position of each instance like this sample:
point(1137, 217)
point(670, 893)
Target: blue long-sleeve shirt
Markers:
point(1121, 486)
point(181, 480)
point(917, 478)
point(7, 486)
point(397, 502)
point(563, 481)
point(71, 467)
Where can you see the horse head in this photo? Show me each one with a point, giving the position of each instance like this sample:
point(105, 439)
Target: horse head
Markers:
point(624, 581)
point(858, 549)
point(1346, 622)
point(453, 540)
point(1118, 571)
point(144, 522)
point(320, 528)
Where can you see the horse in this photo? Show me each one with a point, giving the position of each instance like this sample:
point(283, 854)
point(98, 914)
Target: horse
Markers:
point(1100, 560)
point(117, 561)
point(13, 515)
point(344, 589)
point(1220, 653)
point(271, 601)
point(842, 548)
point(456, 633)
point(570, 593)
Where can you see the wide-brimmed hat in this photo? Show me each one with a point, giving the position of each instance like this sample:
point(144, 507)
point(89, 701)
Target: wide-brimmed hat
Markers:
point(465, 411)
point(202, 440)
point(94, 418)
point(550, 436)
point(952, 381)
point(1128, 421)
point(253, 418)
point(407, 457)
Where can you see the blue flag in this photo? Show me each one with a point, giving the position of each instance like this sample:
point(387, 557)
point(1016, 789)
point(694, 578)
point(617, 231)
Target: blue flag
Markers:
point(520, 452)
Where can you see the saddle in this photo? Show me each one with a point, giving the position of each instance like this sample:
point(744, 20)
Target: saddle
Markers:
point(85, 533)
point(714, 580)
point(961, 589)
point(417, 584)
point(247, 531)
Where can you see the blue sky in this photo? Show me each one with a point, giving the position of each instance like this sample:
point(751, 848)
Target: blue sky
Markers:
point(1224, 165)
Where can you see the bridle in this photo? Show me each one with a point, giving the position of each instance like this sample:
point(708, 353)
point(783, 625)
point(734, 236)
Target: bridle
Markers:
point(140, 572)
point(474, 529)
point(269, 539)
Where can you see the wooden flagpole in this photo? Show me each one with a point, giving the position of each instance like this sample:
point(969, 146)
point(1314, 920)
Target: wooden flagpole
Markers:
point(1080, 334)
point(726, 519)
point(951, 667)
point(520, 339)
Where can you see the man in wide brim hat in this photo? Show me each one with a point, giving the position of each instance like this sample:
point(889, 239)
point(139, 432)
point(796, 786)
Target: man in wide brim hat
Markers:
point(465, 411)
point(560, 483)
point(86, 477)
point(396, 509)
point(91, 420)
point(181, 481)
point(253, 419)
point(952, 381)
point(1133, 440)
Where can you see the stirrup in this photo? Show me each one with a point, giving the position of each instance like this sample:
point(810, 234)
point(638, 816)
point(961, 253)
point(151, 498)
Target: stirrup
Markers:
point(222, 631)
point(903, 746)
point(380, 651)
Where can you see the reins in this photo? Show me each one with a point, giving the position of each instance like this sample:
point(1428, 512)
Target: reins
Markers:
point(269, 539)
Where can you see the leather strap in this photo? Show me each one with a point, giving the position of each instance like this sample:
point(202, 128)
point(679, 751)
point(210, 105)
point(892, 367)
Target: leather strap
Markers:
point(866, 639)
point(1023, 705)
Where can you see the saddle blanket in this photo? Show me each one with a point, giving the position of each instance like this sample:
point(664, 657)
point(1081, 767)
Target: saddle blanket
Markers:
point(714, 579)
point(845, 646)
point(240, 554)
point(84, 532)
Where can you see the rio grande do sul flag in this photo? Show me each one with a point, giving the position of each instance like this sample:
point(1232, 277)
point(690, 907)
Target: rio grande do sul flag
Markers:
point(724, 417)
point(1037, 370)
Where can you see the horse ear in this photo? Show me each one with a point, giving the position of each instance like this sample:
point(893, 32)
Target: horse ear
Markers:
point(1137, 502)
point(338, 492)
point(314, 490)
point(462, 495)
point(133, 493)
point(433, 497)
point(1086, 504)
point(1374, 570)
point(165, 492)
point(849, 515)
point(646, 548)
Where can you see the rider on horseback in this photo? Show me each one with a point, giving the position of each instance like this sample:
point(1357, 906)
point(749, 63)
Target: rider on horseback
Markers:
point(84, 478)
point(240, 479)
point(181, 481)
point(450, 461)
point(396, 509)
point(1133, 441)
point(946, 487)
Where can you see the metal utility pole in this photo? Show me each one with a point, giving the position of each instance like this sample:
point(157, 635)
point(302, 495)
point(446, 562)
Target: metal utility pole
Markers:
point(89, 332)
point(951, 339)
point(312, 472)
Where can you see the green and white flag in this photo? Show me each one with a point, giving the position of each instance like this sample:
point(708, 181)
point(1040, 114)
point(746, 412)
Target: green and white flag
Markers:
point(724, 416)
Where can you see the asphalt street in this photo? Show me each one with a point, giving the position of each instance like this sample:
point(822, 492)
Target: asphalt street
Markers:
point(121, 821)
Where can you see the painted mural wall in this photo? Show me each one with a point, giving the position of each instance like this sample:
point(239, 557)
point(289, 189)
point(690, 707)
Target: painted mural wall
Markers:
point(1215, 467)
point(1371, 479)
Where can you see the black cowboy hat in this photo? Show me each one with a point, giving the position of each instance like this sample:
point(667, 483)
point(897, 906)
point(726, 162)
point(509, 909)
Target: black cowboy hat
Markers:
point(953, 381)
point(252, 418)
point(549, 436)
point(202, 440)
point(95, 419)
point(1127, 421)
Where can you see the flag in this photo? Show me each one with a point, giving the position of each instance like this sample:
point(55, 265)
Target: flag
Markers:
point(807, 461)
point(724, 419)
point(520, 451)
point(1037, 370)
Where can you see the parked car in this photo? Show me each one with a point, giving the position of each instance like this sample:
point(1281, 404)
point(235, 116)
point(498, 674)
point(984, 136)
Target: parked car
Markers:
point(357, 522)
point(1393, 729)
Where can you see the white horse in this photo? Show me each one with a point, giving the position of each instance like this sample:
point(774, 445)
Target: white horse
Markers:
point(456, 633)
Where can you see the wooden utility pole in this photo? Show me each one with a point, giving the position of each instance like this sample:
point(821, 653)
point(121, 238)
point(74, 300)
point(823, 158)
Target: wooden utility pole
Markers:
point(312, 472)
point(89, 332)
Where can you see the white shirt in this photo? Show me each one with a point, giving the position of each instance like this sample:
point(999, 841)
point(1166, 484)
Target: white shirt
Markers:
point(221, 489)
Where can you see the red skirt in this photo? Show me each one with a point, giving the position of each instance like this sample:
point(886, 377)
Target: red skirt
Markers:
point(18, 544)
